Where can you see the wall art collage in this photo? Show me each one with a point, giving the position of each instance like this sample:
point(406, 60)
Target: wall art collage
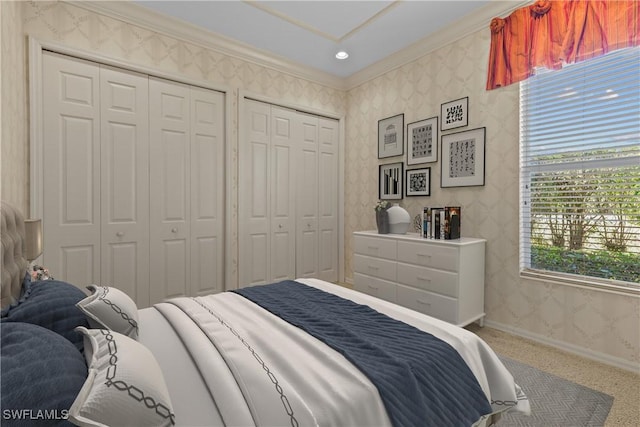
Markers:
point(462, 153)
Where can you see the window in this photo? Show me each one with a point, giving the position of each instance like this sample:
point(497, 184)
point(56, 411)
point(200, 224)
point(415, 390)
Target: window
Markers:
point(580, 172)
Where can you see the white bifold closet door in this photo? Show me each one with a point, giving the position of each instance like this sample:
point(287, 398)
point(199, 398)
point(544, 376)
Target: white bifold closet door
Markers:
point(133, 189)
point(187, 176)
point(288, 202)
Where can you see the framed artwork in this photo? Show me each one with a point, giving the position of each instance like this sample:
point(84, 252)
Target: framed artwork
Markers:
point(422, 141)
point(463, 158)
point(454, 114)
point(390, 181)
point(418, 182)
point(391, 136)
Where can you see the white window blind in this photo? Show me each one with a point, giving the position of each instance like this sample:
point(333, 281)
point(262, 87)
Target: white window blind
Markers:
point(580, 171)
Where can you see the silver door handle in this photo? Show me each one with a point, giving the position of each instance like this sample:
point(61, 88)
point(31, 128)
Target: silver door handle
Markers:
point(174, 230)
point(119, 234)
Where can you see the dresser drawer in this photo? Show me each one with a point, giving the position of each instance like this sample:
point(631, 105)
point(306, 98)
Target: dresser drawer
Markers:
point(428, 255)
point(375, 247)
point(375, 267)
point(428, 279)
point(438, 306)
point(376, 287)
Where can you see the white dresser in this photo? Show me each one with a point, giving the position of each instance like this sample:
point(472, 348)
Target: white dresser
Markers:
point(441, 278)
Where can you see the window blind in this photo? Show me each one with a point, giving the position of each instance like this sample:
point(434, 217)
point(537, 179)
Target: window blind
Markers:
point(580, 171)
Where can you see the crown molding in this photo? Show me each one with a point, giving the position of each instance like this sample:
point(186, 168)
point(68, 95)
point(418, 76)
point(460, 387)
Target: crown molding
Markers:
point(134, 14)
point(459, 29)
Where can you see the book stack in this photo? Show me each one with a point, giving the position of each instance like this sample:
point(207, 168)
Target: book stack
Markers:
point(441, 223)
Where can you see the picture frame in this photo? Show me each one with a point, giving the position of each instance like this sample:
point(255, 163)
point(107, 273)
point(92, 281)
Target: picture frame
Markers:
point(390, 181)
point(463, 158)
point(391, 136)
point(454, 114)
point(418, 182)
point(422, 141)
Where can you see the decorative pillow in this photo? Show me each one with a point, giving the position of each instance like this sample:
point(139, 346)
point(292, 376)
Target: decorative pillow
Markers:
point(110, 308)
point(42, 373)
point(125, 386)
point(52, 305)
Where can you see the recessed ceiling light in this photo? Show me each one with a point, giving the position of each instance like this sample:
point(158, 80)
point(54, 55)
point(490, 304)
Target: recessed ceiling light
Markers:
point(342, 55)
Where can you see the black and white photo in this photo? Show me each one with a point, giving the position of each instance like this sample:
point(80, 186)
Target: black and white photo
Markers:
point(391, 136)
point(422, 141)
point(390, 181)
point(418, 182)
point(454, 114)
point(463, 158)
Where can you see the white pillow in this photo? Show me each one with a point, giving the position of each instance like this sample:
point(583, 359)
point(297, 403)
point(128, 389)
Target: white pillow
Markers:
point(125, 385)
point(110, 308)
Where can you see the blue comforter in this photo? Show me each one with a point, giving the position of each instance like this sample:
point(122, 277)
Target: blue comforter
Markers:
point(421, 379)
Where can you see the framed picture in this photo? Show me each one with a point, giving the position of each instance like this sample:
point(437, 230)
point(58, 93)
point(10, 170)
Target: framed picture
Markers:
point(418, 182)
point(463, 158)
point(454, 114)
point(391, 136)
point(422, 141)
point(390, 181)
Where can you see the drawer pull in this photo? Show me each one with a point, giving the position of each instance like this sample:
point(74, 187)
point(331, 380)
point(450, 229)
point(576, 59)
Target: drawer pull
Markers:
point(373, 248)
point(424, 255)
point(373, 288)
point(424, 279)
point(428, 304)
point(373, 267)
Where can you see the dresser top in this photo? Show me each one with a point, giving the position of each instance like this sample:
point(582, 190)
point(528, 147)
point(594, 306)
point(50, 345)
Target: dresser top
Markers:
point(415, 237)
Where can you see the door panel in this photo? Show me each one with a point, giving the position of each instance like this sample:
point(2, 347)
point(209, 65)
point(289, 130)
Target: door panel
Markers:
point(207, 191)
point(328, 197)
point(307, 199)
point(125, 182)
point(283, 183)
point(169, 154)
point(253, 201)
point(71, 217)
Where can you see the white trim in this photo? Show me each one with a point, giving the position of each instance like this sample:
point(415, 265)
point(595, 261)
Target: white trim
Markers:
point(583, 282)
point(36, 48)
point(134, 14)
point(570, 348)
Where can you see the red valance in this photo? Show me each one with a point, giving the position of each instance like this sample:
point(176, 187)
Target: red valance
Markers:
point(550, 33)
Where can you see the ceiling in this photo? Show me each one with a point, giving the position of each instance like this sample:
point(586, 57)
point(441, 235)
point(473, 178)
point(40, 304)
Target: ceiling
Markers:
point(310, 32)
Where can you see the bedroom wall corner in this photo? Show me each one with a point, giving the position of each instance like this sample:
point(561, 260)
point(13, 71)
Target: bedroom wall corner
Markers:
point(595, 324)
point(13, 118)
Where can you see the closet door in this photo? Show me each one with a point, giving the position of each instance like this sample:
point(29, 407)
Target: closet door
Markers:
point(71, 127)
point(125, 182)
point(307, 199)
point(267, 198)
point(328, 144)
point(207, 191)
point(285, 133)
point(317, 200)
point(169, 155)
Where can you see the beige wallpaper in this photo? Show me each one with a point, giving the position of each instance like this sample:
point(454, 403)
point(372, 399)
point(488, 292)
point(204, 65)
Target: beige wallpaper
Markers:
point(13, 123)
point(606, 325)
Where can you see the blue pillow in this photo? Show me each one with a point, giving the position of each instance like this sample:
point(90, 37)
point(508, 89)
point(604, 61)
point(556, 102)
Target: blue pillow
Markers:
point(52, 305)
point(42, 374)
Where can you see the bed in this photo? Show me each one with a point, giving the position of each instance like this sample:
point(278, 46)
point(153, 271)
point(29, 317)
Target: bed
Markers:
point(303, 352)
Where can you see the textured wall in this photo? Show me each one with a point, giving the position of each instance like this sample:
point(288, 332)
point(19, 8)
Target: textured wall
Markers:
point(599, 322)
point(14, 135)
point(603, 323)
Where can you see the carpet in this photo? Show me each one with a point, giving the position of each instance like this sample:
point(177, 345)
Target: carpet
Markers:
point(555, 401)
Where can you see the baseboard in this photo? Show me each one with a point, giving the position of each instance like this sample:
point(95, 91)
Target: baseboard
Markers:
point(570, 348)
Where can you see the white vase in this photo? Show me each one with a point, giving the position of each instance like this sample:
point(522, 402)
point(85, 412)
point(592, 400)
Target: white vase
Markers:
point(399, 219)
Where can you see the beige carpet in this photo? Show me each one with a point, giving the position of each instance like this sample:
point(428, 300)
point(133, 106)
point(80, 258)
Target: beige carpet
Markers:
point(623, 385)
